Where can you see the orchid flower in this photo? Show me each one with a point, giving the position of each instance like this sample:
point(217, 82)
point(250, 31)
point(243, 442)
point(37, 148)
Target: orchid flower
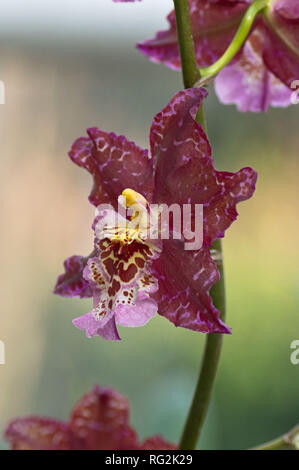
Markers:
point(130, 275)
point(99, 421)
point(263, 73)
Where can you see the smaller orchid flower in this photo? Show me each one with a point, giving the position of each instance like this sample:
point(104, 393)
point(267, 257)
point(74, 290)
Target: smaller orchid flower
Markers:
point(132, 274)
point(99, 421)
point(263, 73)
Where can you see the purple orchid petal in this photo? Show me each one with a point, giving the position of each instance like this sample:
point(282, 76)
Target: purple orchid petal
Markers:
point(185, 279)
point(90, 325)
point(157, 443)
point(248, 83)
point(213, 23)
point(115, 164)
point(139, 314)
point(288, 9)
point(103, 326)
point(35, 433)
point(71, 283)
point(101, 420)
point(281, 49)
point(184, 167)
point(184, 173)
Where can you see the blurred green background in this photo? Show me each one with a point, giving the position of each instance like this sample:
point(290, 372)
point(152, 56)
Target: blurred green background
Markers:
point(57, 88)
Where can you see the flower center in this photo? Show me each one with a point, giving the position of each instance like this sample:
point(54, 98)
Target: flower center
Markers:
point(131, 223)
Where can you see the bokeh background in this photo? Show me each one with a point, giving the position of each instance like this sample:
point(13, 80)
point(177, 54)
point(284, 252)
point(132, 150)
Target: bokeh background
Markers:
point(73, 65)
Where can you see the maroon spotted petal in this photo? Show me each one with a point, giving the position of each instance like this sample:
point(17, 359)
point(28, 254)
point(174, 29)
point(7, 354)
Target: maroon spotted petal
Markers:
point(71, 283)
point(115, 164)
point(100, 421)
point(184, 174)
point(157, 443)
point(281, 46)
point(184, 170)
point(185, 279)
point(34, 433)
point(213, 22)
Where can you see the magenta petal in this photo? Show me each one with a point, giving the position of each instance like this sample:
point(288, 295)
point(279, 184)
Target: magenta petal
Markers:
point(213, 22)
point(101, 421)
point(35, 433)
point(163, 49)
point(185, 279)
point(221, 210)
point(281, 40)
point(181, 151)
point(115, 164)
point(269, 91)
point(71, 283)
point(88, 323)
point(185, 174)
point(288, 9)
point(109, 331)
point(137, 315)
point(172, 124)
point(230, 89)
point(184, 167)
point(248, 83)
point(92, 327)
point(157, 443)
point(282, 60)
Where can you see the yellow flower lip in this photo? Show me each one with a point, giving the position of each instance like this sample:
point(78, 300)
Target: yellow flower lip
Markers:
point(132, 197)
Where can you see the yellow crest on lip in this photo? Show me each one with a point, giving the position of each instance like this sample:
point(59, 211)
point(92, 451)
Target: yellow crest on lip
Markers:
point(132, 197)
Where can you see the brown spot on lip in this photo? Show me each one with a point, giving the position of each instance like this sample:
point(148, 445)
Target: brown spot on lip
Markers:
point(128, 274)
point(114, 288)
point(140, 262)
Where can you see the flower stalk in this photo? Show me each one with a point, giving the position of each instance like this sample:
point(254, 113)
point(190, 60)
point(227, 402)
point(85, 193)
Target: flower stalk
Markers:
point(289, 440)
point(208, 369)
point(210, 360)
point(186, 45)
point(275, 444)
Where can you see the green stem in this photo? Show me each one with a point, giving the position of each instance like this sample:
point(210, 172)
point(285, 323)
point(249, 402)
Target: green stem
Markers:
point(185, 39)
point(210, 360)
point(289, 440)
point(208, 368)
point(276, 444)
point(238, 41)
